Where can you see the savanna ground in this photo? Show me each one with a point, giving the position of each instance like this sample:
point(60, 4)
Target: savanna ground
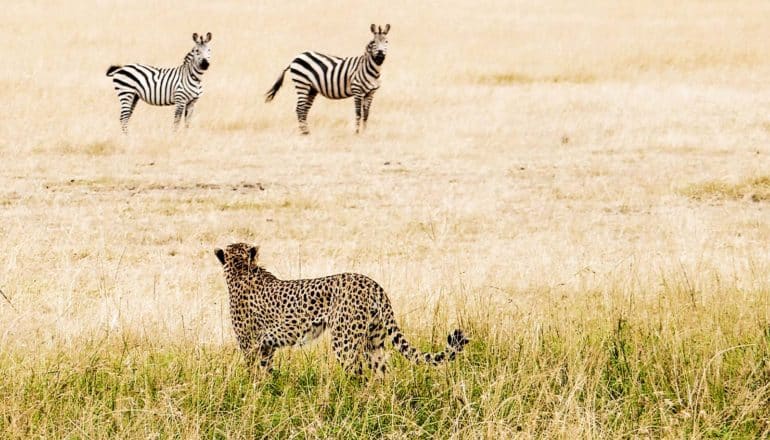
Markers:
point(583, 186)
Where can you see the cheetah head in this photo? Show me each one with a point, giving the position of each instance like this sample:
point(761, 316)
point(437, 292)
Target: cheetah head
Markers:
point(238, 256)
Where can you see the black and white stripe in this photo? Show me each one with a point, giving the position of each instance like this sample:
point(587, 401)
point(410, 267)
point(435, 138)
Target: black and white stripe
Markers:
point(180, 86)
point(314, 73)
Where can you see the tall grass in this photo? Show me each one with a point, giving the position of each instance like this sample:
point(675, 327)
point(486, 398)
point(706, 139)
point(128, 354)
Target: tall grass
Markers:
point(588, 373)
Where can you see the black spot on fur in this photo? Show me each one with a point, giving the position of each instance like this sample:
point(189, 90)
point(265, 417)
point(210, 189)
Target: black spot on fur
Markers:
point(457, 340)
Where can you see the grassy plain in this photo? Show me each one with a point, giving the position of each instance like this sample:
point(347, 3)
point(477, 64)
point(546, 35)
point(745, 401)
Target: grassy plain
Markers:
point(584, 186)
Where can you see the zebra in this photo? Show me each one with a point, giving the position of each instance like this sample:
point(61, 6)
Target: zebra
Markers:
point(180, 86)
point(337, 78)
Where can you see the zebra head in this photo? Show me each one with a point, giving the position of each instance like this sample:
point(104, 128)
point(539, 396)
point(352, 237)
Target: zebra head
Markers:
point(201, 53)
point(378, 47)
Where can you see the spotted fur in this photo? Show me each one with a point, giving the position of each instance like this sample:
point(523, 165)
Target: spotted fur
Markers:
point(269, 313)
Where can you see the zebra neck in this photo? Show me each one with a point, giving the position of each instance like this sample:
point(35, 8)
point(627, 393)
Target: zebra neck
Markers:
point(189, 66)
point(370, 68)
point(188, 59)
point(194, 72)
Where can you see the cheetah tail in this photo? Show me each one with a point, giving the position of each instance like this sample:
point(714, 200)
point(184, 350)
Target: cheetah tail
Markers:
point(455, 343)
point(277, 86)
point(112, 69)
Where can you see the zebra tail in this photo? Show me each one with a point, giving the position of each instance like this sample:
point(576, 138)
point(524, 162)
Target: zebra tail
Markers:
point(277, 86)
point(455, 344)
point(112, 69)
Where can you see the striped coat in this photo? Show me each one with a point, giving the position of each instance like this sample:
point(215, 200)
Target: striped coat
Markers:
point(179, 86)
point(314, 73)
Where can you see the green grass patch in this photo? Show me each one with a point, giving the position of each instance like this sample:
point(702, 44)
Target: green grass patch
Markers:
point(610, 378)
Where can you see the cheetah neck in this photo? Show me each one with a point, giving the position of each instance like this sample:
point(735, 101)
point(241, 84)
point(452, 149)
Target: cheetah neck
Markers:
point(253, 280)
point(260, 273)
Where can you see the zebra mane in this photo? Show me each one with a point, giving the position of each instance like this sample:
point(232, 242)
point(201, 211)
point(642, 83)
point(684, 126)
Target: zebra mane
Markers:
point(188, 58)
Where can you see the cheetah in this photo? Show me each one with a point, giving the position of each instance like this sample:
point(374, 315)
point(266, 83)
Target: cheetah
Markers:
point(269, 313)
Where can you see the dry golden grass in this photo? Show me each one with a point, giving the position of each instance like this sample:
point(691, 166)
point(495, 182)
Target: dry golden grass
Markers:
point(532, 170)
point(756, 189)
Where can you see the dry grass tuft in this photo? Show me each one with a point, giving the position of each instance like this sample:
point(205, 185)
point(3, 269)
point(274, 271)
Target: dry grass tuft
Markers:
point(504, 79)
point(755, 189)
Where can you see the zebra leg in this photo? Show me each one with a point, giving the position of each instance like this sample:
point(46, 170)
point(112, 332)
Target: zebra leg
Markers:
point(188, 112)
point(365, 109)
point(248, 346)
point(127, 105)
point(180, 109)
point(304, 102)
point(357, 101)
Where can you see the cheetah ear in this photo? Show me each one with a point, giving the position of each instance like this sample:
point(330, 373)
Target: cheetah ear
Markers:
point(373, 29)
point(195, 37)
point(220, 255)
point(386, 30)
point(253, 253)
point(208, 37)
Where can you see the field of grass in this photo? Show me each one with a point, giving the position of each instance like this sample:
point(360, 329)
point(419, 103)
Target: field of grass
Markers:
point(583, 186)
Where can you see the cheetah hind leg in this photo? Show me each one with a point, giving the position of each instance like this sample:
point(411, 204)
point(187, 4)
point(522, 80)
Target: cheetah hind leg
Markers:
point(266, 353)
point(348, 349)
point(377, 360)
point(376, 355)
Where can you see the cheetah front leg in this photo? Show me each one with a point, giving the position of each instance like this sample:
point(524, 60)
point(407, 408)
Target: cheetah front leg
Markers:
point(247, 348)
point(256, 348)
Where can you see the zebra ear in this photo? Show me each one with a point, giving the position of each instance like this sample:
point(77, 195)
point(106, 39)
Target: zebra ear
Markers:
point(195, 37)
point(208, 37)
point(373, 29)
point(387, 29)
